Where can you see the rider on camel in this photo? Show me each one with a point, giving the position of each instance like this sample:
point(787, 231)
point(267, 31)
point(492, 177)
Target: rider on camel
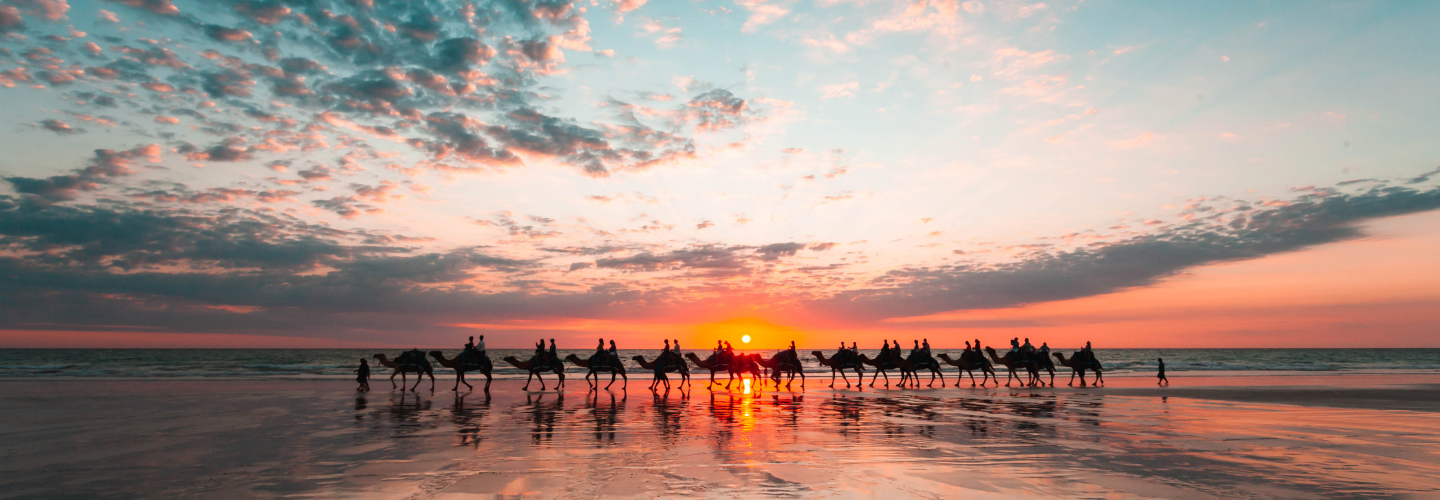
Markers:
point(553, 358)
point(614, 356)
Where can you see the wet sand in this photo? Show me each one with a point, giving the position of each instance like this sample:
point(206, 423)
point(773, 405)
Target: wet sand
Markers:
point(1284, 437)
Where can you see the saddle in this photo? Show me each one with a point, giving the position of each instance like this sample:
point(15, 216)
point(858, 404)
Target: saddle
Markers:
point(413, 358)
point(472, 360)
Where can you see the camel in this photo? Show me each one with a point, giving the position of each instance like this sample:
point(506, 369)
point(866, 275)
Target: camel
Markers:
point(535, 371)
point(880, 366)
point(740, 365)
point(420, 369)
point(1080, 369)
point(1010, 364)
point(783, 362)
point(681, 368)
point(460, 369)
point(1047, 365)
point(909, 367)
point(836, 366)
point(965, 365)
point(595, 366)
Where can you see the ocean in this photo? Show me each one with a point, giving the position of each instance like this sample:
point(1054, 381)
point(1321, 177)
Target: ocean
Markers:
point(341, 363)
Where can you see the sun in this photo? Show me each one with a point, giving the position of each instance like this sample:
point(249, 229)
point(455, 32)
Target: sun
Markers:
point(745, 339)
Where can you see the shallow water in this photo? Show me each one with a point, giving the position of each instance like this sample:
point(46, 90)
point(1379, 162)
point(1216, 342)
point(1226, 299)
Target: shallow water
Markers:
point(304, 439)
point(340, 363)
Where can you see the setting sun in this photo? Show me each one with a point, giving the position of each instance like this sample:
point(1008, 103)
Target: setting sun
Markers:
point(745, 339)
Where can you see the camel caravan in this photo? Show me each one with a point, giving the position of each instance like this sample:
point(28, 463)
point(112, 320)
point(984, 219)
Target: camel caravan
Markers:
point(1033, 362)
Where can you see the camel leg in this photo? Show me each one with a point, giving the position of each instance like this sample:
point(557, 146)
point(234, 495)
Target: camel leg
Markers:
point(431, 374)
point(392, 378)
point(487, 382)
point(942, 378)
point(842, 376)
point(1052, 376)
point(561, 386)
point(527, 381)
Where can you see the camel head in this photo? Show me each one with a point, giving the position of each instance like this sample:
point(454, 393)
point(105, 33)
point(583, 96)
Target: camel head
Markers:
point(572, 358)
point(944, 356)
point(511, 360)
point(439, 356)
point(692, 357)
point(818, 355)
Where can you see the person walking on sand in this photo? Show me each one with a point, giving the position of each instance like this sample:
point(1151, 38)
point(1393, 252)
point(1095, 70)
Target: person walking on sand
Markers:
point(362, 375)
point(1163, 380)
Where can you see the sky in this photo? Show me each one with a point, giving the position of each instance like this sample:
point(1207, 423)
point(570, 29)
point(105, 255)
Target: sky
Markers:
point(354, 173)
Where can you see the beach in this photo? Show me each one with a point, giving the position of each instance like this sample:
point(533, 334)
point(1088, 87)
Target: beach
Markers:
point(1336, 436)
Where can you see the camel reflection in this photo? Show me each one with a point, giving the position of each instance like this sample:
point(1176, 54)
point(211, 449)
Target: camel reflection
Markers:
point(406, 412)
point(668, 414)
point(844, 413)
point(543, 416)
point(607, 418)
point(469, 419)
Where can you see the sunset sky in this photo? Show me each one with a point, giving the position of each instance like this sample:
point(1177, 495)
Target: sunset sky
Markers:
point(313, 173)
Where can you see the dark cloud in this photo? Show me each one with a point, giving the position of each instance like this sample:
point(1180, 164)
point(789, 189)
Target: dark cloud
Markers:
point(59, 127)
point(776, 250)
point(1144, 260)
point(105, 166)
point(699, 257)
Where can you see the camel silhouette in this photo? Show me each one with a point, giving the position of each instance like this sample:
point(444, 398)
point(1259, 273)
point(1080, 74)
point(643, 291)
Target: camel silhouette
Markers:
point(1010, 364)
point(740, 365)
point(782, 362)
point(596, 365)
point(420, 369)
point(681, 368)
point(1078, 367)
point(880, 366)
point(968, 364)
point(529, 365)
point(910, 369)
point(483, 367)
point(837, 366)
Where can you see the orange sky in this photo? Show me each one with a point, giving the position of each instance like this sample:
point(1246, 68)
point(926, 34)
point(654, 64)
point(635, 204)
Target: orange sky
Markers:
point(1379, 291)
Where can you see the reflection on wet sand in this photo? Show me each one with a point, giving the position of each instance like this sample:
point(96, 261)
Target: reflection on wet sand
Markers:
point(720, 443)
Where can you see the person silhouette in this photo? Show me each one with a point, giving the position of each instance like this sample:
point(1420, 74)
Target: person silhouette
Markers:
point(664, 356)
point(885, 349)
point(794, 357)
point(554, 359)
point(480, 346)
point(600, 352)
point(471, 344)
point(614, 355)
point(362, 375)
point(1162, 379)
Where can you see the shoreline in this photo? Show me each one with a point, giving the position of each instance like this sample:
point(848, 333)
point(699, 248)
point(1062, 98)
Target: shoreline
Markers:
point(1373, 392)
